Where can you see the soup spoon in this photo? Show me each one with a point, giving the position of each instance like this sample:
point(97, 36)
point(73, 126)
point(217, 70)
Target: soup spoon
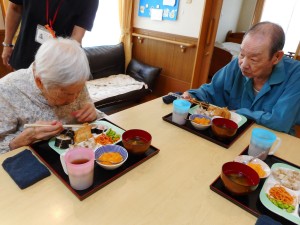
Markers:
point(255, 157)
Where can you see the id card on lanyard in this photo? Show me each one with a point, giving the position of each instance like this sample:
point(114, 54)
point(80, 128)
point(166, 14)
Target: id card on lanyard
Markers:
point(43, 33)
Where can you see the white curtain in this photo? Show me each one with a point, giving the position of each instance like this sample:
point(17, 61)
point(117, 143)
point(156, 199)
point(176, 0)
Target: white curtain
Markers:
point(106, 29)
point(287, 14)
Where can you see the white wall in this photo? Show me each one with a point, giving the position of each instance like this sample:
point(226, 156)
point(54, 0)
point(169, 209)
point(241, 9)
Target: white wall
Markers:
point(188, 21)
point(229, 18)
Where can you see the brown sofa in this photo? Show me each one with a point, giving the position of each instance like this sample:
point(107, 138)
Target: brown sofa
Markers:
point(110, 60)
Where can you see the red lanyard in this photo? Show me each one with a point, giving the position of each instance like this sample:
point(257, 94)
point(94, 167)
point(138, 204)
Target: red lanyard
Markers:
point(49, 21)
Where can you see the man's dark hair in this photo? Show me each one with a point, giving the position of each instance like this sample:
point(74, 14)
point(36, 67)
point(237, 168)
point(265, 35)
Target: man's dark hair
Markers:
point(271, 30)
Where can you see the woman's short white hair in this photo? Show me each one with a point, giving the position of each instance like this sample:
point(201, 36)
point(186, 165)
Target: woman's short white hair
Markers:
point(61, 62)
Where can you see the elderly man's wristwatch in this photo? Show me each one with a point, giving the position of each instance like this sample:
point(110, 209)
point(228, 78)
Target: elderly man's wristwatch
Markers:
point(7, 45)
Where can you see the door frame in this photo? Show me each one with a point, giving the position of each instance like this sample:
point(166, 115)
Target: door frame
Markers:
point(206, 40)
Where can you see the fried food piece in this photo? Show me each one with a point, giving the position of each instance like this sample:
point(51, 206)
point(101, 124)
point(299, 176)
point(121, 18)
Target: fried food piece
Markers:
point(83, 133)
point(217, 111)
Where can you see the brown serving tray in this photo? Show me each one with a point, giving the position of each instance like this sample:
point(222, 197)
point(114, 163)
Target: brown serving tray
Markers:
point(102, 177)
point(251, 202)
point(207, 134)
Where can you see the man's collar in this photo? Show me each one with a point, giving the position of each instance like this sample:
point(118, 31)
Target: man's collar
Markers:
point(278, 74)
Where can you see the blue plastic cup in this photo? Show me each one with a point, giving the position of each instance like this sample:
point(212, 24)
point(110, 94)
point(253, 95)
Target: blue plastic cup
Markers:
point(180, 111)
point(261, 142)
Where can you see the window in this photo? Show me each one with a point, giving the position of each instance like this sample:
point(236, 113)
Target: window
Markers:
point(287, 14)
point(106, 29)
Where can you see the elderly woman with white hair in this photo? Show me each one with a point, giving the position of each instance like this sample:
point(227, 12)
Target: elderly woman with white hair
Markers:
point(51, 91)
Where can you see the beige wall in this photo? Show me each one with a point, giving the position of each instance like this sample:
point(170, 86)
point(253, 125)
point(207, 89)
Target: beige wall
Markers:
point(1, 20)
point(229, 18)
point(188, 21)
point(246, 15)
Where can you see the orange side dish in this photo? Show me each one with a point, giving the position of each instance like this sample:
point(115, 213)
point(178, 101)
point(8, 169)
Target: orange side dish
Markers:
point(258, 168)
point(103, 139)
point(279, 193)
point(203, 121)
point(108, 158)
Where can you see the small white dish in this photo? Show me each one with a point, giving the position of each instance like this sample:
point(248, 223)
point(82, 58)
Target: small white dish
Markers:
point(199, 126)
point(265, 167)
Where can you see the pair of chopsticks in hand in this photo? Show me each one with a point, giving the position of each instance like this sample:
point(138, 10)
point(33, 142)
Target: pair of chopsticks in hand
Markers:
point(47, 125)
point(204, 105)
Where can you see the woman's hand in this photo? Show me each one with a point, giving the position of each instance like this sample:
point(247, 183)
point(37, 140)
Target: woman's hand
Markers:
point(32, 134)
point(6, 53)
point(86, 114)
point(44, 133)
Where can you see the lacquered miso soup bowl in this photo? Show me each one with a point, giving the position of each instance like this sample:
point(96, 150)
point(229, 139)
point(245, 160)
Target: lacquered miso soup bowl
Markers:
point(238, 178)
point(223, 128)
point(136, 141)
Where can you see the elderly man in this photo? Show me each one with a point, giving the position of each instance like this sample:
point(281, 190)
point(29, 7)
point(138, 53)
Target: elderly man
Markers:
point(261, 84)
point(51, 91)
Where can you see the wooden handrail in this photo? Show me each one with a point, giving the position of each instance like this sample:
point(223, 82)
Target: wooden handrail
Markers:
point(182, 45)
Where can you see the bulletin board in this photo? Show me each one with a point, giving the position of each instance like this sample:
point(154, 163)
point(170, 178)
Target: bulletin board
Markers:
point(161, 9)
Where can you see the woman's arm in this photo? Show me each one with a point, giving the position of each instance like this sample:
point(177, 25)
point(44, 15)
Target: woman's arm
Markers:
point(12, 21)
point(32, 134)
point(78, 33)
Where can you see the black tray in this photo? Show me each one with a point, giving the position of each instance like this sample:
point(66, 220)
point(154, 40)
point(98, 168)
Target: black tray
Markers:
point(102, 177)
point(207, 134)
point(251, 202)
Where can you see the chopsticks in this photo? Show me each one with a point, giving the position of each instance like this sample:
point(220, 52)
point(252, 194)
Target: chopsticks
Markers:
point(204, 105)
point(47, 125)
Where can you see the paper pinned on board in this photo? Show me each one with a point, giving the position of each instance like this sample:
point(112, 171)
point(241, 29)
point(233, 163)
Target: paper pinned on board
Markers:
point(169, 2)
point(156, 14)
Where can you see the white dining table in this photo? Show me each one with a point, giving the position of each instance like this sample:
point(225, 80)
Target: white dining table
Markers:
point(172, 187)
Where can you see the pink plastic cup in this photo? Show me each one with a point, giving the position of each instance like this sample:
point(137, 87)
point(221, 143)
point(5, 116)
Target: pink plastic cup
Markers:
point(80, 167)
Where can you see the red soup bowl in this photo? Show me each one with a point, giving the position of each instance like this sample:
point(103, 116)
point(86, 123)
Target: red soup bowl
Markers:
point(136, 141)
point(238, 178)
point(223, 128)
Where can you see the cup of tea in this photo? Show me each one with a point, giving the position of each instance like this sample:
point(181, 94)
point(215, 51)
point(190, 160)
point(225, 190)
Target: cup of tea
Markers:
point(78, 163)
point(180, 111)
point(262, 143)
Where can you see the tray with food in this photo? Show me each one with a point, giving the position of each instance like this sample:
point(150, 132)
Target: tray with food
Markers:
point(102, 175)
point(210, 110)
point(217, 129)
point(263, 201)
point(214, 111)
point(91, 135)
point(281, 191)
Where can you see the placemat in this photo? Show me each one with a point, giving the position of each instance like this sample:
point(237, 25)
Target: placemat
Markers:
point(102, 177)
point(207, 134)
point(251, 202)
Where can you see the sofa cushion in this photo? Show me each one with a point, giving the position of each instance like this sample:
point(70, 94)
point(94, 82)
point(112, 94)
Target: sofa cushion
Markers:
point(143, 72)
point(106, 60)
point(113, 85)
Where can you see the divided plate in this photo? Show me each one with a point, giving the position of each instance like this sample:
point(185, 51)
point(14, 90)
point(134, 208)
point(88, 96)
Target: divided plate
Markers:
point(99, 122)
point(270, 182)
point(239, 119)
